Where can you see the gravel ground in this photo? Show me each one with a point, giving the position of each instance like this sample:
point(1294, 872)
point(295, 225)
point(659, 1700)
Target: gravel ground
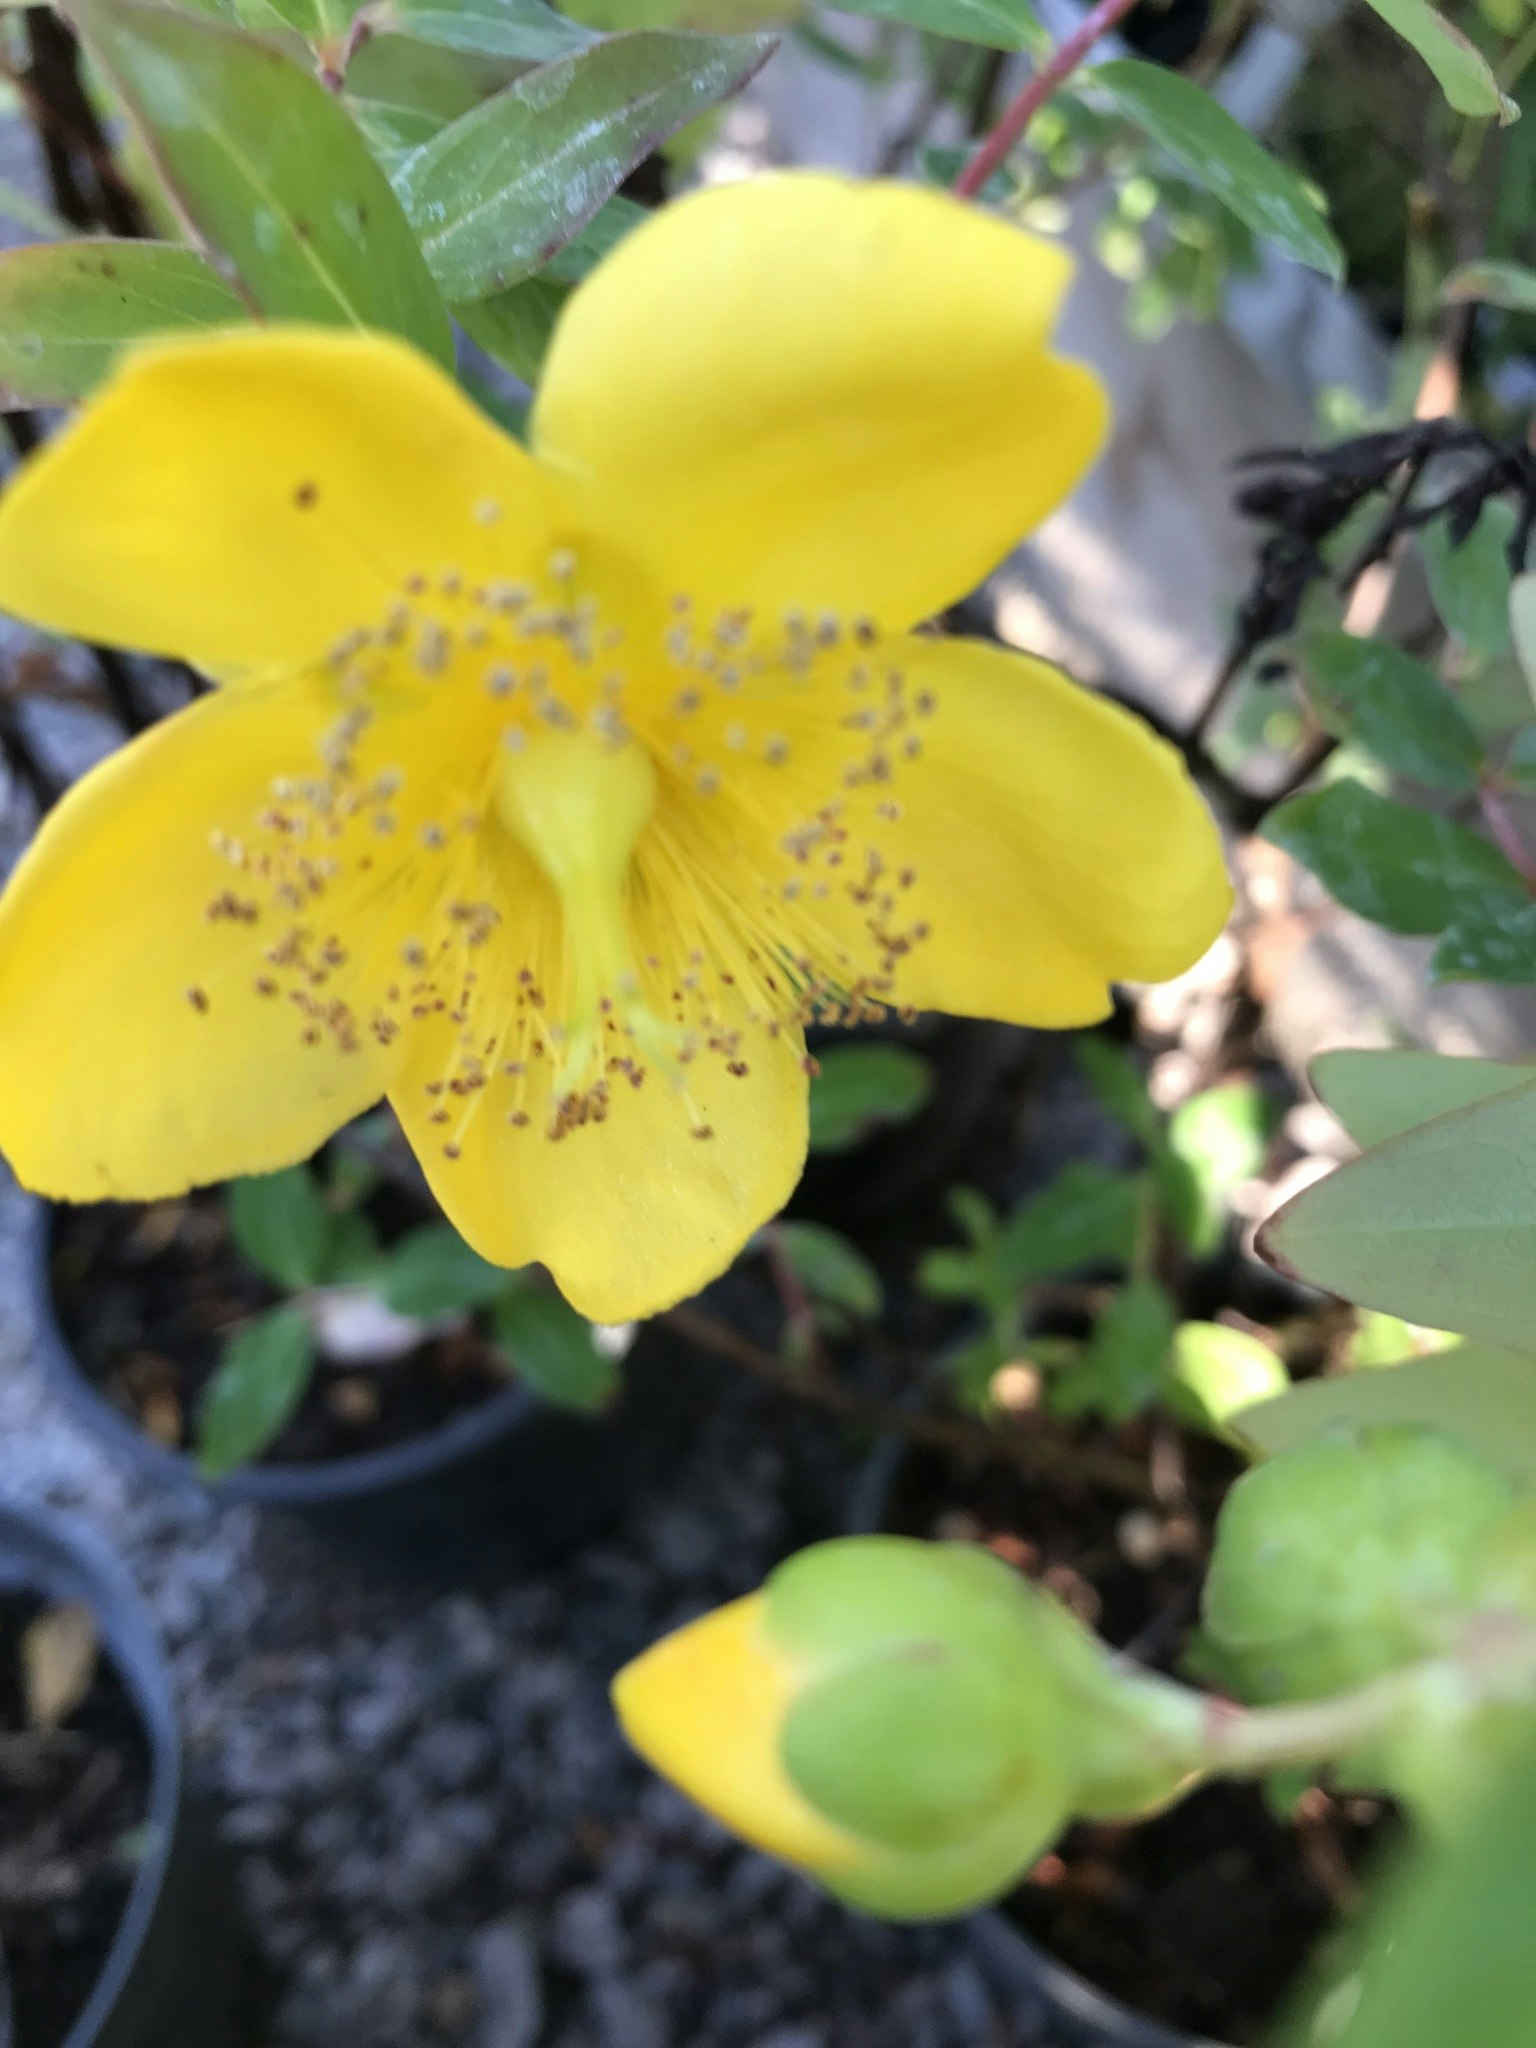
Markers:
point(440, 1837)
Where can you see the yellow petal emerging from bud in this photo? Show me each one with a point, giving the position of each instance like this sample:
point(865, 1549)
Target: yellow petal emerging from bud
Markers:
point(706, 1708)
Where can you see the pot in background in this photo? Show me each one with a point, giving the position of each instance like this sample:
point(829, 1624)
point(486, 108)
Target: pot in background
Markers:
point(174, 1972)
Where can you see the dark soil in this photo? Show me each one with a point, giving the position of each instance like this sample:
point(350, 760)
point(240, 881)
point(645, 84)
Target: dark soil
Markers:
point(1203, 1917)
point(72, 1799)
point(149, 1296)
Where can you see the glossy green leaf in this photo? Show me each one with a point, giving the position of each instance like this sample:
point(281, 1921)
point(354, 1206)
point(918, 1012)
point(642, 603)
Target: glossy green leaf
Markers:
point(1483, 1397)
point(257, 1390)
point(551, 1349)
point(496, 193)
point(433, 1272)
point(1490, 940)
point(831, 1269)
point(402, 93)
point(1122, 1367)
point(280, 1224)
point(67, 309)
point(1522, 626)
point(1394, 707)
point(861, 1087)
point(998, 24)
point(1470, 583)
point(271, 172)
point(1510, 285)
point(524, 29)
point(1378, 1095)
point(1221, 155)
point(1216, 1141)
point(1437, 1226)
point(515, 327)
point(1086, 1217)
point(1463, 72)
point(1403, 868)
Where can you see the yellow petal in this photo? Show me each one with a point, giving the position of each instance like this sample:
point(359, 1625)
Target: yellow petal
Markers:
point(806, 392)
point(705, 1707)
point(1001, 843)
point(630, 1214)
point(250, 498)
point(137, 1055)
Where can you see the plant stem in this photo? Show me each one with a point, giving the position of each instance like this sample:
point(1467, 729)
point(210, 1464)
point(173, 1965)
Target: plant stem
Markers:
point(1506, 834)
point(1036, 1455)
point(1022, 109)
point(1248, 1741)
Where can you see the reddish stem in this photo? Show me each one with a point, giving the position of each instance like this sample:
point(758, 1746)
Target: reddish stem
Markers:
point(1019, 112)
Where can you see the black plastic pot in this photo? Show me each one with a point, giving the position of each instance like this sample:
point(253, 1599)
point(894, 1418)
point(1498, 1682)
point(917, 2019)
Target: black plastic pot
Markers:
point(173, 1974)
point(531, 1479)
point(1052, 2002)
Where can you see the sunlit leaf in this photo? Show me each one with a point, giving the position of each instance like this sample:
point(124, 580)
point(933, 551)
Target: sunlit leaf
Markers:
point(270, 170)
point(494, 195)
point(67, 309)
point(1222, 156)
point(1463, 72)
point(525, 29)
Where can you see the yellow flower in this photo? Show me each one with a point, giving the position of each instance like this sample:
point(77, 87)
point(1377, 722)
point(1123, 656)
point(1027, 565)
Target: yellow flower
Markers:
point(549, 792)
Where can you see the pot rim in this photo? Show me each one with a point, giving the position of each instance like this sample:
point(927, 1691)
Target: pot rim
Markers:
point(67, 1559)
point(334, 1479)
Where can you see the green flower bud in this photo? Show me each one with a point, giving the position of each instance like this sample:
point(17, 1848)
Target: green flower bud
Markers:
point(1344, 1558)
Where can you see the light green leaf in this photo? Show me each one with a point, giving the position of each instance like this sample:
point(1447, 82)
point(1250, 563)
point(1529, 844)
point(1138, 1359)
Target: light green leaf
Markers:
point(998, 24)
point(496, 193)
point(402, 93)
point(1394, 707)
point(1522, 626)
point(1437, 1226)
point(270, 171)
point(1214, 1371)
point(1378, 1095)
point(258, 1388)
point(433, 1272)
point(515, 327)
point(1222, 156)
point(1470, 584)
point(862, 1087)
point(1483, 1397)
point(1216, 1141)
point(831, 1270)
point(1463, 72)
point(1510, 285)
point(279, 1222)
point(68, 308)
point(524, 29)
point(551, 1349)
point(1403, 868)
point(1123, 1365)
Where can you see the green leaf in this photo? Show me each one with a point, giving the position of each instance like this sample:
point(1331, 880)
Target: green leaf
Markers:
point(1460, 67)
point(1222, 156)
point(1119, 1086)
point(515, 327)
point(356, 1256)
point(1086, 1217)
point(1378, 1095)
point(270, 171)
point(1215, 1371)
point(1490, 940)
point(1437, 1226)
point(280, 1224)
point(1470, 584)
point(998, 24)
point(831, 1270)
point(1403, 868)
point(257, 1390)
point(496, 193)
point(433, 1272)
point(402, 93)
point(862, 1087)
point(1123, 1364)
point(1483, 1397)
point(68, 308)
point(1394, 707)
point(1522, 626)
point(552, 1350)
point(524, 29)
point(1510, 285)
point(1216, 1141)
